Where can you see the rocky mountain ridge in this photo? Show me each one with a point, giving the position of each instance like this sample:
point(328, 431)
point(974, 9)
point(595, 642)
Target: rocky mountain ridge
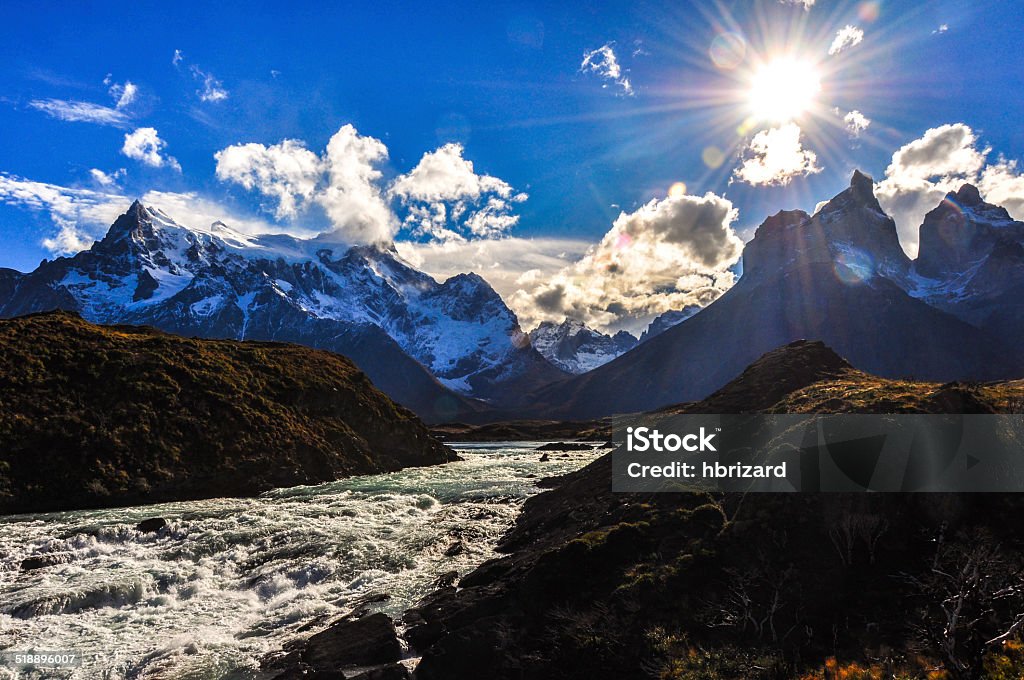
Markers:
point(839, 276)
point(438, 348)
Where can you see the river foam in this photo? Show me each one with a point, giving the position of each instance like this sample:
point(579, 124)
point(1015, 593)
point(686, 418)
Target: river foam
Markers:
point(231, 580)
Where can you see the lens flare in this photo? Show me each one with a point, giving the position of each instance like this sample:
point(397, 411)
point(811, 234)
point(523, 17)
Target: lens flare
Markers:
point(728, 50)
point(869, 11)
point(853, 266)
point(677, 190)
point(713, 157)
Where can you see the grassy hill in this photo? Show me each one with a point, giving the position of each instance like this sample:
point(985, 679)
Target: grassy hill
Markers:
point(94, 416)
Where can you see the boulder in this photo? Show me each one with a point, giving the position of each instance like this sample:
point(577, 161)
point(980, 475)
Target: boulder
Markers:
point(364, 642)
point(151, 525)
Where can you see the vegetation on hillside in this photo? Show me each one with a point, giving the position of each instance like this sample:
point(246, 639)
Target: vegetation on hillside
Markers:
point(96, 416)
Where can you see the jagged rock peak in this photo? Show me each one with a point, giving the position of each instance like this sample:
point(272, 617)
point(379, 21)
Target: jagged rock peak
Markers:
point(861, 182)
point(135, 225)
point(968, 195)
point(781, 221)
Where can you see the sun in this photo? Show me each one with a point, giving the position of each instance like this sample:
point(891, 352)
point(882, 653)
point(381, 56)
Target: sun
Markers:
point(783, 88)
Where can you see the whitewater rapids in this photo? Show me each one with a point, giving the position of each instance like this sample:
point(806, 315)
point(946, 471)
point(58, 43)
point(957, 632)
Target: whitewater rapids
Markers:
point(231, 580)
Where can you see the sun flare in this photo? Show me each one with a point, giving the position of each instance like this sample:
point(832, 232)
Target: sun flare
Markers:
point(783, 89)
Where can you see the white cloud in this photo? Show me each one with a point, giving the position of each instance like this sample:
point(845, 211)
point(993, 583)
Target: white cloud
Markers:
point(507, 263)
point(352, 198)
point(847, 36)
point(666, 255)
point(82, 112)
point(107, 179)
point(287, 172)
point(806, 4)
point(605, 64)
point(72, 211)
point(212, 90)
point(145, 146)
point(856, 123)
point(445, 195)
point(71, 110)
point(941, 29)
point(923, 171)
point(124, 93)
point(344, 181)
point(777, 156)
point(1003, 184)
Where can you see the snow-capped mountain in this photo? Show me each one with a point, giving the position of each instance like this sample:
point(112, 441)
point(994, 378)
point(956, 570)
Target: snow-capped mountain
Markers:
point(839, 276)
point(364, 301)
point(575, 348)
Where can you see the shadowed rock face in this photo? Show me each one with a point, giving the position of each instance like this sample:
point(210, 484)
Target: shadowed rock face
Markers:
point(839, 276)
point(962, 231)
point(971, 264)
point(97, 416)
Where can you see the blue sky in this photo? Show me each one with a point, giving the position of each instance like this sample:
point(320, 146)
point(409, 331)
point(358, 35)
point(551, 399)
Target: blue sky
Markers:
point(507, 81)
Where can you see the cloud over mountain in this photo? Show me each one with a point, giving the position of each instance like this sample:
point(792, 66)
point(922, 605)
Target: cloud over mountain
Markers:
point(442, 196)
point(444, 191)
point(668, 254)
point(923, 171)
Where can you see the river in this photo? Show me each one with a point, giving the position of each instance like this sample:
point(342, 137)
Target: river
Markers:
point(232, 579)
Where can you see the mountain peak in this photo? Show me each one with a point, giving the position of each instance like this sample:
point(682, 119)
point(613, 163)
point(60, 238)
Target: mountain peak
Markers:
point(962, 231)
point(137, 211)
point(852, 222)
point(968, 195)
point(862, 190)
point(781, 221)
point(860, 180)
point(135, 225)
point(575, 348)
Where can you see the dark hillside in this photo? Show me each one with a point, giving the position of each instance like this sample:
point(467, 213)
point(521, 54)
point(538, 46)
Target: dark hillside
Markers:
point(94, 416)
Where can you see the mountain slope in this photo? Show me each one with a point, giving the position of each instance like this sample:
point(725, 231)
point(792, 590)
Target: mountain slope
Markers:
point(94, 416)
point(575, 348)
point(597, 585)
point(839, 277)
point(219, 283)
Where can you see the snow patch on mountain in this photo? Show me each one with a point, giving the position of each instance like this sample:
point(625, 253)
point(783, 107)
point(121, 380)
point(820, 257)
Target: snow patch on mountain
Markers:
point(575, 348)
